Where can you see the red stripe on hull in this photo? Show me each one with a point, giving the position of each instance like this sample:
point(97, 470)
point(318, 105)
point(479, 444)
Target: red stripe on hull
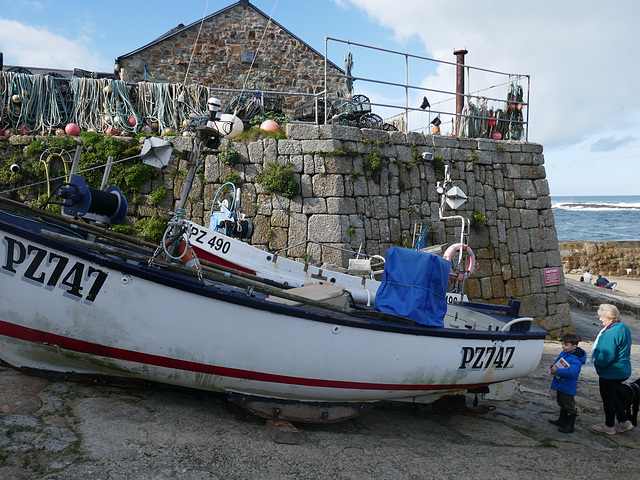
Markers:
point(203, 254)
point(45, 338)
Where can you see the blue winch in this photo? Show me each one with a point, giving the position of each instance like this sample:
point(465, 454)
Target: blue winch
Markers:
point(107, 206)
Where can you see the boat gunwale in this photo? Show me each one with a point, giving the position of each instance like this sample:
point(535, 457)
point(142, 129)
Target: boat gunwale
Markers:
point(192, 285)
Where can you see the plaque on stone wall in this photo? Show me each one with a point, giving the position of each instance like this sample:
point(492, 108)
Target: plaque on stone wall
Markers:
point(551, 276)
point(247, 57)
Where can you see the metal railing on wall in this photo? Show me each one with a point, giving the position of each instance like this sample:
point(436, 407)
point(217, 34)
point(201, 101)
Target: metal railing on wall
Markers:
point(499, 110)
point(41, 104)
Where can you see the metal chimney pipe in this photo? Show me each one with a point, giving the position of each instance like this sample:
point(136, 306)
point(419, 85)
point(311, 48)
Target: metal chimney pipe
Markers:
point(459, 85)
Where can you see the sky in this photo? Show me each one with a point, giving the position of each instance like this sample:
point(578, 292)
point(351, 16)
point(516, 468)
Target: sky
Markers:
point(584, 90)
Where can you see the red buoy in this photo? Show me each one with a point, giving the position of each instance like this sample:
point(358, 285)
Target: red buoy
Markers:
point(269, 126)
point(72, 129)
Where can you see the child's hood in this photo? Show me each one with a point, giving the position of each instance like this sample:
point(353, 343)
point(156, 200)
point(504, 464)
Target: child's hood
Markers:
point(580, 354)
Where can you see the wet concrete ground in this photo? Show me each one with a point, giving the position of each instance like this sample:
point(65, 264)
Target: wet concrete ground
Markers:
point(61, 430)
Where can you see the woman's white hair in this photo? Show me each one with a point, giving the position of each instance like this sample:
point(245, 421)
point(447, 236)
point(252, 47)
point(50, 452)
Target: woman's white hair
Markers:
point(609, 311)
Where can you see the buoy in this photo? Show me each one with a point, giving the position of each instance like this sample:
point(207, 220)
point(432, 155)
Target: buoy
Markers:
point(116, 120)
point(107, 90)
point(229, 125)
point(492, 121)
point(15, 98)
point(471, 260)
point(154, 126)
point(436, 129)
point(9, 131)
point(23, 130)
point(72, 129)
point(496, 135)
point(269, 126)
point(146, 129)
point(132, 121)
point(167, 131)
point(60, 131)
point(1, 132)
point(184, 253)
point(111, 131)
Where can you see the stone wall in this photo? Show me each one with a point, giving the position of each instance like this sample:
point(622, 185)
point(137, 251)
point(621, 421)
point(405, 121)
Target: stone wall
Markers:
point(284, 63)
point(344, 204)
point(615, 259)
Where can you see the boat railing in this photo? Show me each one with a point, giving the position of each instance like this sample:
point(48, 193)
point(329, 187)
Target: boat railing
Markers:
point(353, 253)
point(499, 110)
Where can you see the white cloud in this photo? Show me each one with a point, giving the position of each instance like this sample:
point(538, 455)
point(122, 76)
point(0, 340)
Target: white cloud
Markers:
point(24, 45)
point(580, 58)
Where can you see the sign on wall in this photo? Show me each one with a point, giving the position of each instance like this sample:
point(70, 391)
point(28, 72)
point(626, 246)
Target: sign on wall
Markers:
point(551, 276)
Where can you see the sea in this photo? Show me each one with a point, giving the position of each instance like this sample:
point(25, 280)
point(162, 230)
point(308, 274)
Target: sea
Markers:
point(597, 218)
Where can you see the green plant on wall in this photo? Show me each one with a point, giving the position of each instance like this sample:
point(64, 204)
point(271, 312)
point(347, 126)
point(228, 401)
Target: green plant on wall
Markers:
point(158, 195)
point(228, 156)
point(98, 147)
point(478, 218)
point(151, 228)
point(131, 178)
point(373, 161)
point(233, 178)
point(279, 178)
point(438, 167)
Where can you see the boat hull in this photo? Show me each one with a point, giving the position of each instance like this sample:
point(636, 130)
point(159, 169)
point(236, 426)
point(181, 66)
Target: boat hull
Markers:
point(69, 309)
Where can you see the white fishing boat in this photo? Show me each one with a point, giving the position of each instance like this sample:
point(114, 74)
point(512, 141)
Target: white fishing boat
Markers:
point(109, 311)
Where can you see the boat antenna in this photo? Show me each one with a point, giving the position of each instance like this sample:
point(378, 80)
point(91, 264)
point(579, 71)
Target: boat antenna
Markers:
point(264, 33)
point(195, 44)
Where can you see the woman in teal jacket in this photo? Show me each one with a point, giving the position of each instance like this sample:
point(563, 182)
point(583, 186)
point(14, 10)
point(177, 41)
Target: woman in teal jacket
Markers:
point(611, 357)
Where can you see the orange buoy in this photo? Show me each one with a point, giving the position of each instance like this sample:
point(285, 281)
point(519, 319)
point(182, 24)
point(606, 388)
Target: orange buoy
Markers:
point(185, 253)
point(269, 126)
point(72, 129)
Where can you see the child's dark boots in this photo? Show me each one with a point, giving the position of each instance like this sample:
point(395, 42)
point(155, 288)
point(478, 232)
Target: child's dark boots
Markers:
point(570, 422)
point(561, 420)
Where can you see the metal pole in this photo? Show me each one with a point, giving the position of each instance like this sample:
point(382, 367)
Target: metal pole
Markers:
point(107, 172)
point(325, 81)
point(76, 161)
point(406, 93)
point(526, 134)
point(459, 85)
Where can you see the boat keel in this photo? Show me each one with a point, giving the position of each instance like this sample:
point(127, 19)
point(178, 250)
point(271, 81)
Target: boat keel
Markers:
point(457, 405)
point(299, 411)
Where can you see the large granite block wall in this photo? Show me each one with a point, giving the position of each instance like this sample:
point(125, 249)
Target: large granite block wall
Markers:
point(342, 202)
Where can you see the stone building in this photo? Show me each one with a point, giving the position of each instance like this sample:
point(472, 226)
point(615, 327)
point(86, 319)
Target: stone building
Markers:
point(225, 55)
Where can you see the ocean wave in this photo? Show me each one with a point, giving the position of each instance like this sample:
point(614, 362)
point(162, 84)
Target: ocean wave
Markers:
point(595, 206)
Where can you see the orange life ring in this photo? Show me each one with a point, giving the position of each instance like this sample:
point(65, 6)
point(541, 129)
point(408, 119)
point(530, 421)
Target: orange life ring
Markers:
point(471, 260)
point(185, 253)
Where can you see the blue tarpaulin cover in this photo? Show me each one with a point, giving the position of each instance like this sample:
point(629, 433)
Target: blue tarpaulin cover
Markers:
point(414, 285)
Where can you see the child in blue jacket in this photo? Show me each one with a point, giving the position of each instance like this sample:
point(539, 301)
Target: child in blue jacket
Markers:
point(566, 370)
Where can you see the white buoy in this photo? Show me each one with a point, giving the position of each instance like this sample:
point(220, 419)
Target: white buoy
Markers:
point(229, 125)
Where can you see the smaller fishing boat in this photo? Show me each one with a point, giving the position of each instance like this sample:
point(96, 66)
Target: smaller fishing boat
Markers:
point(79, 301)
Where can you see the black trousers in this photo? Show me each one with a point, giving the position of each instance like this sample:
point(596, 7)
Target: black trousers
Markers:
point(613, 406)
point(566, 402)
